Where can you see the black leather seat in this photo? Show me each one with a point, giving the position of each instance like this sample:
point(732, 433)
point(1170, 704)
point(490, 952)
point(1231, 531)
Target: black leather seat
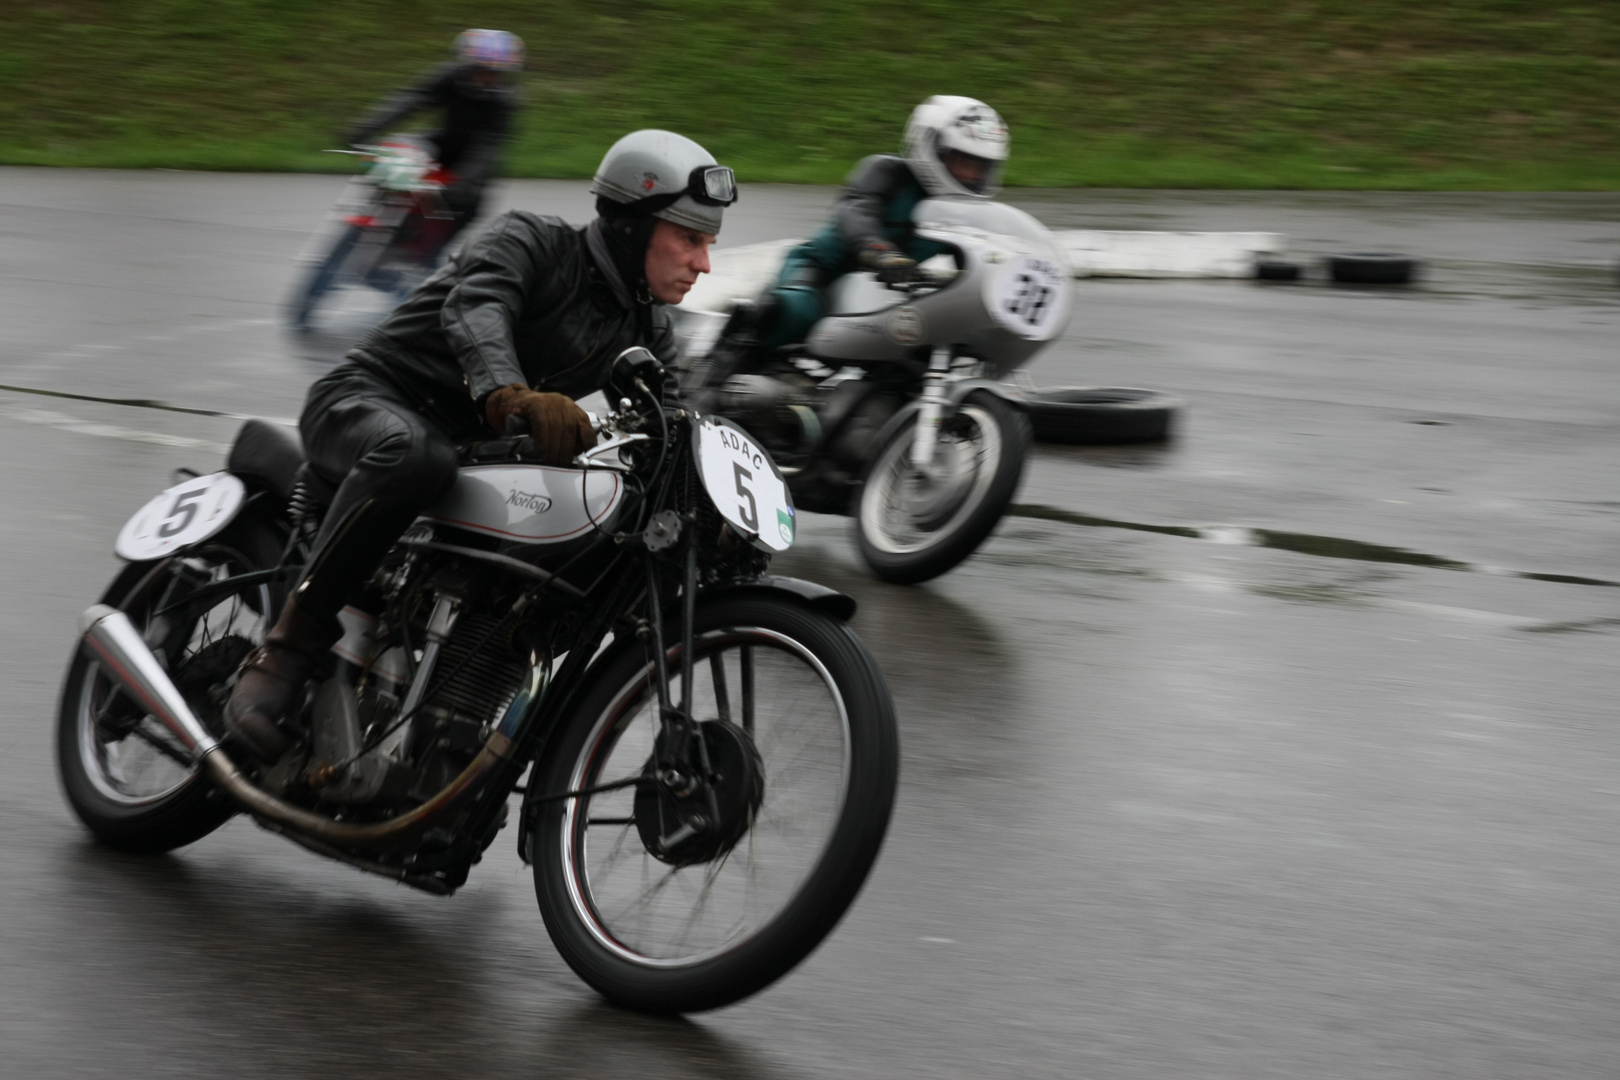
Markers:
point(267, 456)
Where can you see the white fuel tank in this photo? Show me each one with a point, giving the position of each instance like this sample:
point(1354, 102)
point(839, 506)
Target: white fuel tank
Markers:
point(530, 504)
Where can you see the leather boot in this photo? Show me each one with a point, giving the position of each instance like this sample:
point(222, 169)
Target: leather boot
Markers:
point(272, 678)
point(735, 351)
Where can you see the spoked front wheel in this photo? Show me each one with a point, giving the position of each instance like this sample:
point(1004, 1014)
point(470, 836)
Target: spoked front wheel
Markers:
point(667, 900)
point(914, 524)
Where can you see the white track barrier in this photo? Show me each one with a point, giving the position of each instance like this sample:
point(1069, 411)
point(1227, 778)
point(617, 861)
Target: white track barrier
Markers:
point(1099, 253)
point(742, 272)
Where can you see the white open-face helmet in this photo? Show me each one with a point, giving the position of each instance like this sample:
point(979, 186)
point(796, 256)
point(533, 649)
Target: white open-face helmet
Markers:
point(665, 175)
point(956, 146)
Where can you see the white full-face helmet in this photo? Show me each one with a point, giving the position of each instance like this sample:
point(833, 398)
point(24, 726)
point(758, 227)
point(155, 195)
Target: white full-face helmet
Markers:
point(665, 175)
point(957, 146)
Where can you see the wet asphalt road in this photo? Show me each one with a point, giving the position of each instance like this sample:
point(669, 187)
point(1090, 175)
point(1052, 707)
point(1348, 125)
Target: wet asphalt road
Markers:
point(1170, 806)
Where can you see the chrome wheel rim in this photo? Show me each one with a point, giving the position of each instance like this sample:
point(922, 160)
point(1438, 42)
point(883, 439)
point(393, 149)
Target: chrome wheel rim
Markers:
point(661, 916)
point(897, 515)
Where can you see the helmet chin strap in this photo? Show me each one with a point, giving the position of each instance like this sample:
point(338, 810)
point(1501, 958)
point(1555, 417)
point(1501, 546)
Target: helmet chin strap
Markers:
point(627, 235)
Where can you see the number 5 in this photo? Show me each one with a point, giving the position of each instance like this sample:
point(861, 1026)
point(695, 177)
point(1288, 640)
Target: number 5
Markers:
point(749, 513)
point(185, 510)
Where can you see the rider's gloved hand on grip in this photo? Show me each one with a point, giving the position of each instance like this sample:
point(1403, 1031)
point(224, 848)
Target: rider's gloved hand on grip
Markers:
point(890, 266)
point(560, 428)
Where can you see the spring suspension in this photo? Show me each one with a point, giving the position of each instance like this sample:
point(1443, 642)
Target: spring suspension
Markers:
point(298, 504)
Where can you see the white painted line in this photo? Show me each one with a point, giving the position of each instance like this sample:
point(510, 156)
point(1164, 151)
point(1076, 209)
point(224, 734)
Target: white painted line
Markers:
point(63, 422)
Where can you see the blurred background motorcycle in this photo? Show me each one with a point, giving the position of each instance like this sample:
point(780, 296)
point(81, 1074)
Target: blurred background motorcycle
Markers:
point(384, 234)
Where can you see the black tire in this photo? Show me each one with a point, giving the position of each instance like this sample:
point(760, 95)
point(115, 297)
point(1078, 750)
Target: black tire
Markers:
point(908, 544)
point(835, 815)
point(320, 279)
point(1102, 415)
point(145, 802)
point(1371, 268)
point(1277, 270)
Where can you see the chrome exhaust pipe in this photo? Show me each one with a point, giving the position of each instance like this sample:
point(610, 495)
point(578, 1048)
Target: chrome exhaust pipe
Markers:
point(111, 640)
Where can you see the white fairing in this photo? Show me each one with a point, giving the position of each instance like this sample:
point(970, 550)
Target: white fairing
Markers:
point(1009, 298)
point(186, 514)
point(745, 484)
point(530, 504)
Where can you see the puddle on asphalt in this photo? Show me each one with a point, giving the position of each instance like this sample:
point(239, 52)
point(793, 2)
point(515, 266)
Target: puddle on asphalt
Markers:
point(1326, 547)
point(1576, 626)
point(1351, 589)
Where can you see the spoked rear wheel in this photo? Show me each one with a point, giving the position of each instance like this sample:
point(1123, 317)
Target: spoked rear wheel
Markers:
point(914, 524)
point(128, 779)
point(662, 917)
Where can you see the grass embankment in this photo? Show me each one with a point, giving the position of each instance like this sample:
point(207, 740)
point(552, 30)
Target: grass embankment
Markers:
point(1179, 93)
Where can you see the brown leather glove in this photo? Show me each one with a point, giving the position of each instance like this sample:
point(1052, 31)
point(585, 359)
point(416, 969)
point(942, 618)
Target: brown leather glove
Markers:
point(560, 428)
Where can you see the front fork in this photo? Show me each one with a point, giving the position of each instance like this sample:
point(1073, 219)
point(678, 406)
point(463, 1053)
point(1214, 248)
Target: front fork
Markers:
point(679, 731)
point(933, 409)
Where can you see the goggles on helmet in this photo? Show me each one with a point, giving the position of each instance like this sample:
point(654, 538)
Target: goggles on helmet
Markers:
point(712, 185)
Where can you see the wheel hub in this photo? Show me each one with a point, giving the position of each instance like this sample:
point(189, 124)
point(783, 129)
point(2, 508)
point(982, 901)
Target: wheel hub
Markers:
point(678, 822)
point(930, 497)
point(204, 680)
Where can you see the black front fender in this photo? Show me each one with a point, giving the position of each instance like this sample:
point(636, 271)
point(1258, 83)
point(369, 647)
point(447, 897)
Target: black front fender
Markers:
point(840, 606)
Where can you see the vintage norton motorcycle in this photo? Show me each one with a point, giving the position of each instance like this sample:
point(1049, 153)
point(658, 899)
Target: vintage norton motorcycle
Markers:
point(894, 409)
point(385, 232)
point(706, 755)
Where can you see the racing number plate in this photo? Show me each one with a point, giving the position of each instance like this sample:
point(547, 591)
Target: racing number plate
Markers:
point(744, 483)
point(180, 517)
point(1026, 294)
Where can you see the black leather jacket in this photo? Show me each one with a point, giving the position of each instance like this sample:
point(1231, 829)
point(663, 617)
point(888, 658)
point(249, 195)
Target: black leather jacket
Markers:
point(525, 302)
point(475, 127)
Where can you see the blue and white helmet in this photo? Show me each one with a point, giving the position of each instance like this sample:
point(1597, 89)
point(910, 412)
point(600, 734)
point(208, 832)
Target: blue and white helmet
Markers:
point(497, 50)
point(956, 146)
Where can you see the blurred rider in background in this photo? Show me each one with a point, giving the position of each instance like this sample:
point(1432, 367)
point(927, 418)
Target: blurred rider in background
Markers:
point(523, 319)
point(953, 146)
point(477, 91)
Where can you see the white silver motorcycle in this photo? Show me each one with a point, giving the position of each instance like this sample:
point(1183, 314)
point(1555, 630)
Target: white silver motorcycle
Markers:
point(894, 410)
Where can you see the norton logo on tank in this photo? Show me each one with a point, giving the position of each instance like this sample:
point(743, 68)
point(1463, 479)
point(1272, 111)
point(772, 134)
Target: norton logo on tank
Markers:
point(535, 504)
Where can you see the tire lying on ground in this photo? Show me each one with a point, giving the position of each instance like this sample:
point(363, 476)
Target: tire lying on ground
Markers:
point(1276, 270)
point(1099, 415)
point(1371, 268)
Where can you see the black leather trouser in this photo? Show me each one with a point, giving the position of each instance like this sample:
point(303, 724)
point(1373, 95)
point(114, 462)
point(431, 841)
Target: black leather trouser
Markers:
point(389, 462)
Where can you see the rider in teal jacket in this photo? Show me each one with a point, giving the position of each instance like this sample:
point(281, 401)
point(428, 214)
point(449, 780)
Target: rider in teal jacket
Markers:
point(953, 146)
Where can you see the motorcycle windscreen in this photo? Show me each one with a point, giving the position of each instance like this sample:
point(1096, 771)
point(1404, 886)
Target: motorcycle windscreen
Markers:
point(530, 504)
point(1024, 272)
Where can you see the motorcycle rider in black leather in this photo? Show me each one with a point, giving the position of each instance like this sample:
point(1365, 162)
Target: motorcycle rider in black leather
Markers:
point(478, 95)
point(523, 319)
